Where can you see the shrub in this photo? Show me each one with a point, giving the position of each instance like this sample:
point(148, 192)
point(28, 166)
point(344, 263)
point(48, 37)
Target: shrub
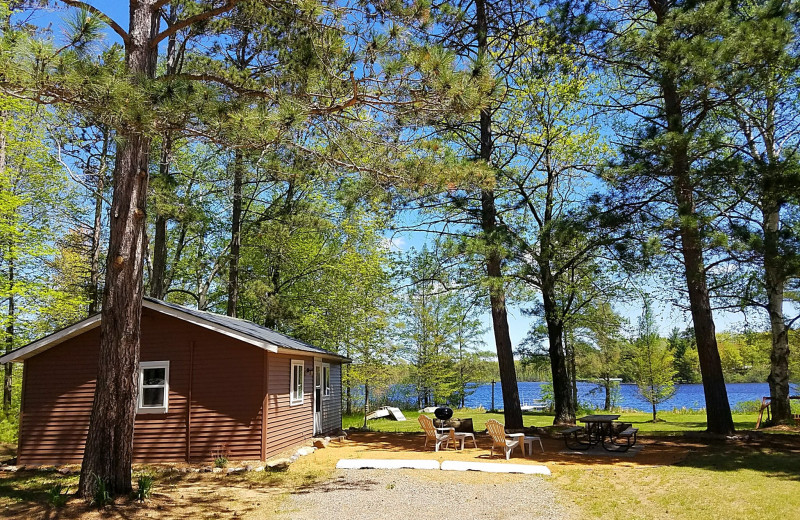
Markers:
point(747, 407)
point(144, 487)
point(221, 461)
point(101, 496)
point(57, 495)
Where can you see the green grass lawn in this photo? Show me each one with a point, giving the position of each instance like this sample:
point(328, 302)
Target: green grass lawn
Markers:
point(725, 483)
point(718, 481)
point(671, 422)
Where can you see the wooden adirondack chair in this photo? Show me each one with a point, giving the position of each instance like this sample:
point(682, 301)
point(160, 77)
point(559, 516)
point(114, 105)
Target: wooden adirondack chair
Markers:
point(432, 435)
point(501, 440)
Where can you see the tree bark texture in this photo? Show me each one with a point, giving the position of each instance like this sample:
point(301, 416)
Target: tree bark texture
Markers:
point(497, 298)
point(779, 355)
point(563, 404)
point(236, 230)
point(109, 443)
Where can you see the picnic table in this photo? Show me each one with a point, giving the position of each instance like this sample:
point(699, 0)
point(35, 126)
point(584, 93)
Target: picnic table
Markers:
point(600, 429)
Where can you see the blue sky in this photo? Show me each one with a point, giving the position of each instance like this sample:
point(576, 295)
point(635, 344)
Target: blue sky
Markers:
point(668, 315)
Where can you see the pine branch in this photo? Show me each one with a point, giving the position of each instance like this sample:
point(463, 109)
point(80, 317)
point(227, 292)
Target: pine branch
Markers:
point(103, 16)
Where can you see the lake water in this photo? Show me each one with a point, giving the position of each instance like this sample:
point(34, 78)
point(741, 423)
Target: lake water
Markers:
point(686, 396)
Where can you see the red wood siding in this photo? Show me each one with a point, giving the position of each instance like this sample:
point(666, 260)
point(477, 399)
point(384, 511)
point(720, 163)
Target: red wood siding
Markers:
point(288, 425)
point(58, 390)
point(227, 382)
point(226, 399)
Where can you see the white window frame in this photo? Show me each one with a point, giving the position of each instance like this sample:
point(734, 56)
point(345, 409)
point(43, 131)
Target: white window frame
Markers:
point(326, 380)
point(140, 408)
point(293, 398)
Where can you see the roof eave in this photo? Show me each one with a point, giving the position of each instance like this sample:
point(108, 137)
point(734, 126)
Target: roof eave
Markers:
point(51, 340)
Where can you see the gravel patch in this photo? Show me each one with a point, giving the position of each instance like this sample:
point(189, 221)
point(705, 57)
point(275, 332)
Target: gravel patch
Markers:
point(417, 495)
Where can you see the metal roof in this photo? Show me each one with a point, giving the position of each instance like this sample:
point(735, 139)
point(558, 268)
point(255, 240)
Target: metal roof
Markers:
point(237, 328)
point(248, 328)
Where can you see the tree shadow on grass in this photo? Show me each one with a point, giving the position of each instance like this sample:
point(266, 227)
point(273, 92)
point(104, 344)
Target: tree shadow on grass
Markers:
point(777, 463)
point(177, 495)
point(336, 484)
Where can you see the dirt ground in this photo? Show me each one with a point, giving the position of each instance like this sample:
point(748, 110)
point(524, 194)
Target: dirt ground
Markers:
point(264, 494)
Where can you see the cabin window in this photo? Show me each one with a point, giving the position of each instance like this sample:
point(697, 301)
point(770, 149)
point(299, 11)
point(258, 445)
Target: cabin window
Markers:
point(296, 389)
point(153, 387)
point(326, 380)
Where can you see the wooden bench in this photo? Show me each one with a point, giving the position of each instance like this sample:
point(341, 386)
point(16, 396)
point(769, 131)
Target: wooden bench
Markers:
point(629, 434)
point(572, 434)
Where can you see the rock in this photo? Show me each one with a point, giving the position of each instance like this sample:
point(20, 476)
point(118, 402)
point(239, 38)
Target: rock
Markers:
point(65, 471)
point(10, 469)
point(216, 470)
point(306, 450)
point(279, 464)
point(235, 470)
point(253, 467)
point(322, 443)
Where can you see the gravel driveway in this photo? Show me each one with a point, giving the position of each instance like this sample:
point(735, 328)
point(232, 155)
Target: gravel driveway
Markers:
point(422, 494)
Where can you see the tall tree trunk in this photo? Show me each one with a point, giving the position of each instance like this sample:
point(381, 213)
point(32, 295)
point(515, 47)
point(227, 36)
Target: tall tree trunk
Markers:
point(607, 385)
point(562, 391)
point(366, 403)
point(94, 261)
point(8, 368)
point(569, 347)
point(158, 277)
point(718, 410)
point(236, 230)
point(108, 451)
point(779, 355)
point(158, 273)
point(512, 410)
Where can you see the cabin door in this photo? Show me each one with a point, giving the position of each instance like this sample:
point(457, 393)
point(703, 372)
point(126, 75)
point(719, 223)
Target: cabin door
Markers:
point(317, 397)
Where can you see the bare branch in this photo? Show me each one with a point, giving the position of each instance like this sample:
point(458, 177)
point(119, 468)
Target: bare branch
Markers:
point(205, 15)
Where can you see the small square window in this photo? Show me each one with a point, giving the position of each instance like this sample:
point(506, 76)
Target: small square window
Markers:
point(153, 387)
point(296, 385)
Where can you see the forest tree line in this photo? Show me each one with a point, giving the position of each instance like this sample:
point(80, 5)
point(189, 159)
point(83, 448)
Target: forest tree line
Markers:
point(261, 160)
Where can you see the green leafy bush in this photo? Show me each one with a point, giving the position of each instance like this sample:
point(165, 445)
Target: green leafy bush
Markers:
point(144, 487)
point(57, 495)
point(102, 495)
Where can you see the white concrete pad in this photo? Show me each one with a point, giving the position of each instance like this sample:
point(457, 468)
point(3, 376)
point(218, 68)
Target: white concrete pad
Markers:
point(495, 467)
point(386, 464)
